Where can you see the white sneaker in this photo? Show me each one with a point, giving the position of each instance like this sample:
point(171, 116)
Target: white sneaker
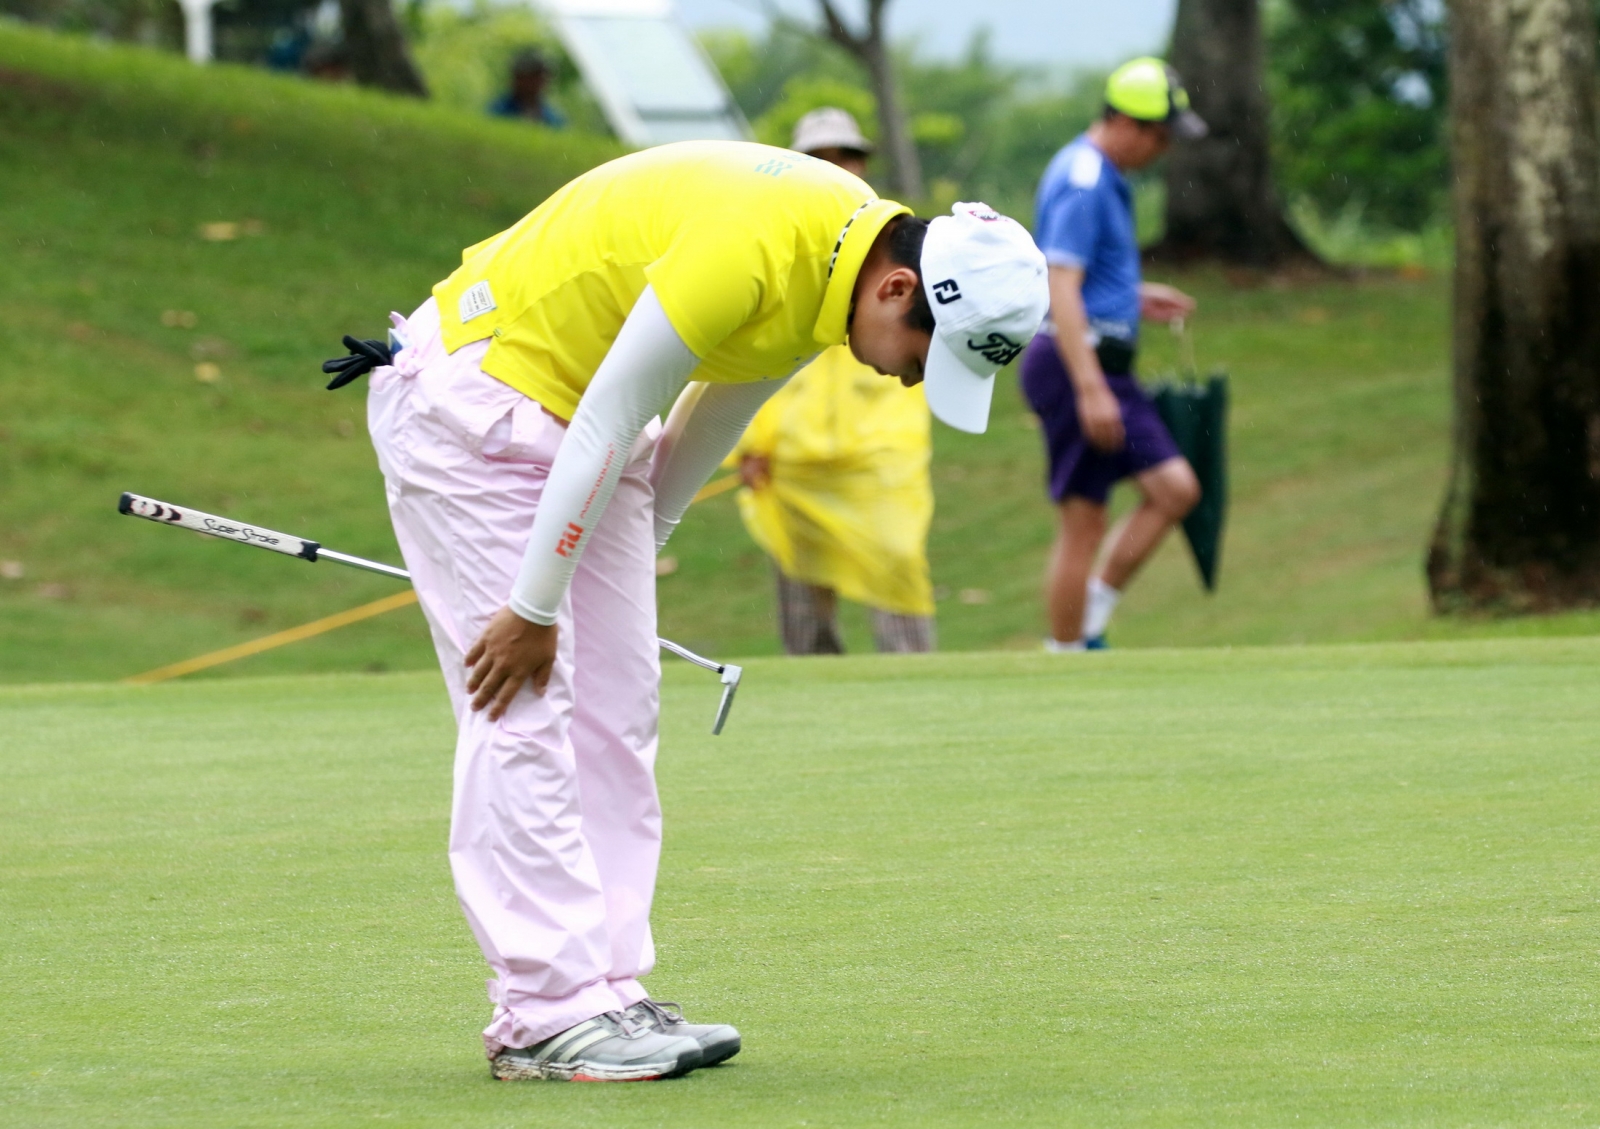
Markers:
point(607, 1048)
point(1057, 647)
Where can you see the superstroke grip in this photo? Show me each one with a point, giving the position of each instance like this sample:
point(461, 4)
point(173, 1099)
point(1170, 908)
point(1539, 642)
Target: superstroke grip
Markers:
point(136, 505)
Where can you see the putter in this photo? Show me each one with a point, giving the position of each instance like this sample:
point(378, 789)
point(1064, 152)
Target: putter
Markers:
point(730, 678)
point(165, 513)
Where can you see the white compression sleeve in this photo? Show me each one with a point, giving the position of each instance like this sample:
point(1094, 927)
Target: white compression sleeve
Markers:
point(705, 423)
point(646, 366)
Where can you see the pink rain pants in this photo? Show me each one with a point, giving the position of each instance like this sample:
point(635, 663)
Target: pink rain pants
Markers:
point(555, 828)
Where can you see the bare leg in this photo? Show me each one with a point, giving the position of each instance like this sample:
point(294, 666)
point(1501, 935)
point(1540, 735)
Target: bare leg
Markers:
point(1170, 491)
point(1083, 524)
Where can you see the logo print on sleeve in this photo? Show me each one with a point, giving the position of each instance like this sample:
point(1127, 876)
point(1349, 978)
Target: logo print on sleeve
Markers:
point(569, 539)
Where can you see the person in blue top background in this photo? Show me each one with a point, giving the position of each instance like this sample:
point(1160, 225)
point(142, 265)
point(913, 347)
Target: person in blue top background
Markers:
point(530, 79)
point(1078, 373)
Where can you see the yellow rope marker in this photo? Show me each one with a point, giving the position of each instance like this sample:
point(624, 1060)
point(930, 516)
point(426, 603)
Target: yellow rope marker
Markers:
point(268, 642)
point(712, 489)
point(334, 622)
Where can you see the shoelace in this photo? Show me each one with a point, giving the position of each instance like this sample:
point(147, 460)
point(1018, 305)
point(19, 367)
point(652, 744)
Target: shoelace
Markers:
point(628, 1028)
point(665, 1011)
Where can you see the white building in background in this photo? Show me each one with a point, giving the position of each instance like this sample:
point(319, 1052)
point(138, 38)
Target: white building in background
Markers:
point(646, 70)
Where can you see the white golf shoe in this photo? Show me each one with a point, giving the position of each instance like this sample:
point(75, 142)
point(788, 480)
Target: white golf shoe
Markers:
point(717, 1041)
point(607, 1048)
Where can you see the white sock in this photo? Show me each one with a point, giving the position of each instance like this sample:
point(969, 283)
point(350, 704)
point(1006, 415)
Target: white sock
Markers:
point(1057, 647)
point(1097, 610)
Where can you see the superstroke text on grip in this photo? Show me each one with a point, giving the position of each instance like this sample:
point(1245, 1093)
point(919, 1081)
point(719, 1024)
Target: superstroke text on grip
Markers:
point(166, 513)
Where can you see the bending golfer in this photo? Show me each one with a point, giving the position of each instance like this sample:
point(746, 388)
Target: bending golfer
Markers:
point(1078, 374)
point(531, 487)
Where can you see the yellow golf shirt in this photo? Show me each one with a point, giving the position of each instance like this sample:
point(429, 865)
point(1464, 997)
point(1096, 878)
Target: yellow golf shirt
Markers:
point(752, 251)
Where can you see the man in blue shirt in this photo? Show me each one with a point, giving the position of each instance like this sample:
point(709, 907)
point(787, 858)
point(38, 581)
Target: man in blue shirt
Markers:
point(1099, 426)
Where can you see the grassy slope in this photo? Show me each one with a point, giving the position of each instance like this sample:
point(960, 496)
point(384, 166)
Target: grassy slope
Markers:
point(1349, 886)
point(111, 158)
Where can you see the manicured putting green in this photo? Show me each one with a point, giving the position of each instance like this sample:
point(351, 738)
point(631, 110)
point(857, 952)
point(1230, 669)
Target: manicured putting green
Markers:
point(1335, 885)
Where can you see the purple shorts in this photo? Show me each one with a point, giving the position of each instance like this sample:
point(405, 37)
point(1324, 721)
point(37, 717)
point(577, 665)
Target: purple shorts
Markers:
point(1076, 468)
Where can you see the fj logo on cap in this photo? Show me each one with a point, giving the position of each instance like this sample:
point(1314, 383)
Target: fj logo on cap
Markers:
point(998, 348)
point(946, 292)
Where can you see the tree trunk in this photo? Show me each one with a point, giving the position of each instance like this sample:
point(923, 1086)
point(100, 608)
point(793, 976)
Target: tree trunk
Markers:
point(872, 48)
point(905, 166)
point(1221, 203)
point(377, 49)
point(1520, 526)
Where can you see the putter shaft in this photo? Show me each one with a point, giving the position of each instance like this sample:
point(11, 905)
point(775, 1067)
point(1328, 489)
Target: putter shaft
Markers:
point(165, 513)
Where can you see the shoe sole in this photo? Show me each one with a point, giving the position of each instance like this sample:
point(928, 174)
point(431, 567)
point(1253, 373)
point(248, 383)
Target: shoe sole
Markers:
point(514, 1070)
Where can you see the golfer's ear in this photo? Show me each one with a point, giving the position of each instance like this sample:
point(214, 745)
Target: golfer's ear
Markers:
point(897, 285)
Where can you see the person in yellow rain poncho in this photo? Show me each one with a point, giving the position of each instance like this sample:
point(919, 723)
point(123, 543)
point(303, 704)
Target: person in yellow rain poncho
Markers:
point(835, 468)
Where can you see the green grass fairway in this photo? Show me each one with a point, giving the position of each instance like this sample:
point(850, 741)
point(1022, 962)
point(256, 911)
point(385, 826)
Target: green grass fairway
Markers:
point(1325, 886)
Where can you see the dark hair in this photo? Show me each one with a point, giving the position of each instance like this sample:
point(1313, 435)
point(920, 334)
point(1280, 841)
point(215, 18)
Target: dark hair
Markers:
point(530, 60)
point(906, 234)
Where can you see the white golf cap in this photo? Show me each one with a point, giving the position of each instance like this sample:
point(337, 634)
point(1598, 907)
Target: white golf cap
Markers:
point(987, 286)
point(828, 128)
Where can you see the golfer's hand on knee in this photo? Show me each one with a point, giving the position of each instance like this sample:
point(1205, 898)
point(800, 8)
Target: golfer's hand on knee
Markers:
point(510, 652)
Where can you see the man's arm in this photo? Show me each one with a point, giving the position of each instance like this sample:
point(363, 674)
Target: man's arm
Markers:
point(1163, 303)
point(1097, 406)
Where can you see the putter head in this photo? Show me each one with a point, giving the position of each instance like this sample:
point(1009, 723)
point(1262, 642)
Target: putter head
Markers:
point(730, 686)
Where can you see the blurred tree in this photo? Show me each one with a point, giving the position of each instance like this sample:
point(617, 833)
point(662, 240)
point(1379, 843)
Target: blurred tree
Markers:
point(956, 108)
point(376, 47)
point(1358, 101)
point(872, 48)
point(1520, 526)
point(805, 93)
point(758, 71)
point(151, 22)
point(1221, 202)
point(983, 130)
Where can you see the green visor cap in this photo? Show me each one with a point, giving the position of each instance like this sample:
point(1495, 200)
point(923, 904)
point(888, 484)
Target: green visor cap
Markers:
point(1149, 90)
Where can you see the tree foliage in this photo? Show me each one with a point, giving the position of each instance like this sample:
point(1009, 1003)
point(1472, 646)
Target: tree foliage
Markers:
point(1359, 98)
point(984, 130)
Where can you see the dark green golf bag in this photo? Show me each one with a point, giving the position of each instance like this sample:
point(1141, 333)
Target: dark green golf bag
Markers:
point(1197, 417)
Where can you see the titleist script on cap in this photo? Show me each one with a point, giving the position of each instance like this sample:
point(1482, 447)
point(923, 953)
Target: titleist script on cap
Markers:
point(475, 300)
